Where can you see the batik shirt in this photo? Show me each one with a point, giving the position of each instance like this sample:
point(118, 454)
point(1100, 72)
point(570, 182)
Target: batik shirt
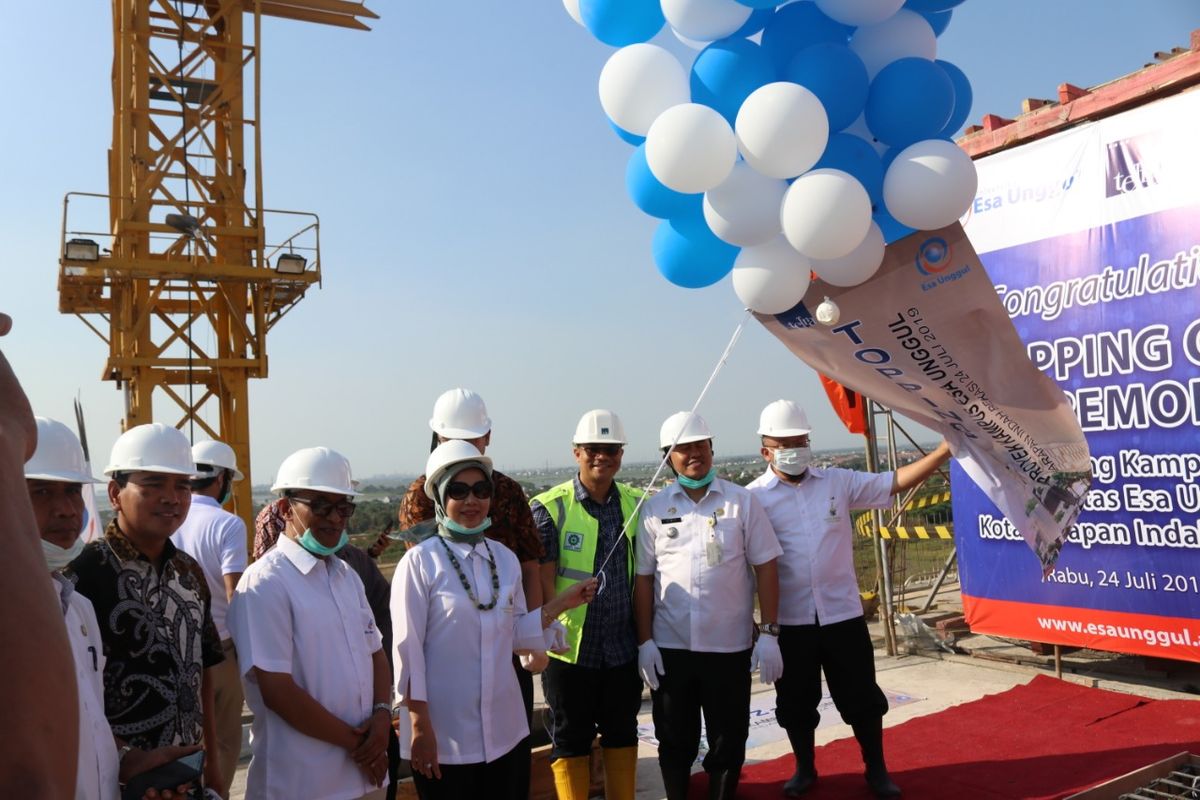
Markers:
point(158, 636)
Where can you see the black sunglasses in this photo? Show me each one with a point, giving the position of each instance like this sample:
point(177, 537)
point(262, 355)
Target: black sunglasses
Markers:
point(457, 490)
point(323, 508)
point(603, 449)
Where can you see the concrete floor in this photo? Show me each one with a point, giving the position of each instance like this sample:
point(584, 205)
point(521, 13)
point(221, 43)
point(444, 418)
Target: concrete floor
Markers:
point(936, 681)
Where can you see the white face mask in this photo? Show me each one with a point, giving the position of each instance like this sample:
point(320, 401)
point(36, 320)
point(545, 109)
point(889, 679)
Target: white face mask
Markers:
point(57, 557)
point(792, 460)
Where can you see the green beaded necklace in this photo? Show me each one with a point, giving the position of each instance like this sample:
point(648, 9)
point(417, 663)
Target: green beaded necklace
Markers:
point(462, 577)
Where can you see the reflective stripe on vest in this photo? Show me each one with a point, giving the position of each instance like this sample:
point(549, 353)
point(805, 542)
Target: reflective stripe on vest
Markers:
point(578, 533)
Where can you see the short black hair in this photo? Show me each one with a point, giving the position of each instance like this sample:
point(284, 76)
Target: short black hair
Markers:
point(120, 478)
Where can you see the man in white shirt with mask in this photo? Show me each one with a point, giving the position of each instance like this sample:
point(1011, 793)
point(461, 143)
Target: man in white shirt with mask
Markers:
point(820, 612)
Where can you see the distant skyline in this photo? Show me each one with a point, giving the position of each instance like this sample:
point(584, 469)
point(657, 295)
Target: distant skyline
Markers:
point(475, 226)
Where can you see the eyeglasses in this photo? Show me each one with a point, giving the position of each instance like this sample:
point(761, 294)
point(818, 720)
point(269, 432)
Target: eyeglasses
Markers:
point(602, 449)
point(323, 508)
point(457, 490)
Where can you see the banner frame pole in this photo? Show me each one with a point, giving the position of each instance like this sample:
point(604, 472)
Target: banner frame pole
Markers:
point(880, 548)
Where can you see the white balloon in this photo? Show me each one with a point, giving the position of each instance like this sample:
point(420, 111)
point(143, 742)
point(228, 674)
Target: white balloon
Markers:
point(827, 312)
point(770, 278)
point(859, 12)
point(744, 209)
point(906, 34)
point(705, 20)
point(856, 266)
point(638, 83)
point(572, 7)
point(782, 129)
point(930, 184)
point(826, 213)
point(692, 43)
point(690, 148)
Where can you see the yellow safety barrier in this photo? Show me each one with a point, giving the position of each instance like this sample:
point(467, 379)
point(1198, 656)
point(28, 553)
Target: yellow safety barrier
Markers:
point(917, 532)
point(863, 523)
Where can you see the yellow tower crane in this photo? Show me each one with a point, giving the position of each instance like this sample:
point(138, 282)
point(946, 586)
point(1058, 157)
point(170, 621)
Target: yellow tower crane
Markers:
point(181, 279)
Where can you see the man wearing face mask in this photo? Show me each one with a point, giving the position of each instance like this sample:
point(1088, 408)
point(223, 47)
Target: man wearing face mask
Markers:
point(56, 477)
point(704, 546)
point(821, 619)
point(217, 540)
point(310, 653)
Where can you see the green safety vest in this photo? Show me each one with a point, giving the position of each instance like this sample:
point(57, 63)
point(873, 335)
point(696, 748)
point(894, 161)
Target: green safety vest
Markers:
point(578, 532)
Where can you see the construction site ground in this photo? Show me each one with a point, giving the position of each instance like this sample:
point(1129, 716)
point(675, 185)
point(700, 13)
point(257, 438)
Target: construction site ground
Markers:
point(934, 679)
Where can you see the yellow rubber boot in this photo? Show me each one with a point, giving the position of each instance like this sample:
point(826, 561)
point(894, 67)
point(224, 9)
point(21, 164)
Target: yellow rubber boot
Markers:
point(572, 776)
point(620, 772)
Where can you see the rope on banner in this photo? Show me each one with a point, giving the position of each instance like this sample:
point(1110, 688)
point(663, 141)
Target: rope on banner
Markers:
point(737, 333)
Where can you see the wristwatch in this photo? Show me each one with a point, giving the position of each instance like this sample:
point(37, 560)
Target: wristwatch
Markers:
point(384, 707)
point(769, 628)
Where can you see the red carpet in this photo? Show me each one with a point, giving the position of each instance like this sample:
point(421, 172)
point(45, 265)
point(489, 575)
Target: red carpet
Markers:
point(1046, 739)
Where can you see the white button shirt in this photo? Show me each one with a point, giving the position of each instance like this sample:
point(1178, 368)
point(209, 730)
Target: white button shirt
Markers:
point(700, 605)
point(812, 521)
point(308, 617)
point(216, 539)
point(98, 772)
point(457, 657)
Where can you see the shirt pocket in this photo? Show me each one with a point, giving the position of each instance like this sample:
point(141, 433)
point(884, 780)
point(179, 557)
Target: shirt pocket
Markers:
point(731, 538)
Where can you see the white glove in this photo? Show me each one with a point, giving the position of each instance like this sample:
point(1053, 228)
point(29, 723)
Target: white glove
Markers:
point(650, 663)
point(534, 661)
point(767, 659)
point(555, 636)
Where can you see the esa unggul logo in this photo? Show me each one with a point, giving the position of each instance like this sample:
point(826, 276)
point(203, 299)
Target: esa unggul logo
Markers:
point(933, 257)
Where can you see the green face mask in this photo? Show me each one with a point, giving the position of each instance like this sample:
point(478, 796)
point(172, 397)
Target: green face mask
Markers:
point(310, 543)
point(697, 483)
point(463, 530)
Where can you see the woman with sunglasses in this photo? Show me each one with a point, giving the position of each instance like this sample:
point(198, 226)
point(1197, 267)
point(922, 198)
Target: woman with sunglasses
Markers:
point(458, 615)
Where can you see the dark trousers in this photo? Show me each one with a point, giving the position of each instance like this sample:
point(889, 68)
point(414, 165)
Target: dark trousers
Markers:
point(715, 684)
point(843, 650)
point(496, 780)
point(583, 701)
point(521, 753)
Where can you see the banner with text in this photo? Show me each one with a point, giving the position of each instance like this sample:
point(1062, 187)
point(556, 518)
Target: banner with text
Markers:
point(928, 337)
point(1092, 241)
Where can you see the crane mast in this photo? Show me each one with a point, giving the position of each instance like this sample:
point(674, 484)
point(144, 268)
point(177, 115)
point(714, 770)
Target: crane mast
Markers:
point(187, 272)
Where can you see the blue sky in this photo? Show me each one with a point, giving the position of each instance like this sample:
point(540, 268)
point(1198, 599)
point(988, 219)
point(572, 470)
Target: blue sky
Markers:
point(475, 226)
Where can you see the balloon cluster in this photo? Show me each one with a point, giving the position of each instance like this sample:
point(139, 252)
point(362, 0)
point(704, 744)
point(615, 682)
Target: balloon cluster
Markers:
point(804, 138)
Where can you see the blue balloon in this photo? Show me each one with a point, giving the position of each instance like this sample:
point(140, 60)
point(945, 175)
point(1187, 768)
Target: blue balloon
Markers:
point(690, 255)
point(836, 75)
point(938, 20)
point(962, 99)
point(649, 194)
point(757, 20)
point(726, 72)
point(622, 22)
point(931, 6)
point(760, 4)
point(910, 99)
point(856, 157)
point(797, 26)
point(626, 136)
point(891, 229)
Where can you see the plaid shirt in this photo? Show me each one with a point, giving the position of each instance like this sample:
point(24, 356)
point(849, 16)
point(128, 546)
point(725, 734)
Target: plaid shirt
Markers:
point(608, 638)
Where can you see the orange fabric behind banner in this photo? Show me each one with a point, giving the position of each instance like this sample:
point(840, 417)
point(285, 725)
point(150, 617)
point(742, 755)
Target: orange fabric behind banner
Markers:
point(849, 405)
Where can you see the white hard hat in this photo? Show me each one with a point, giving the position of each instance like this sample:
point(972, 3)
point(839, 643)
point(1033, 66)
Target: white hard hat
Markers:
point(687, 426)
point(445, 456)
point(153, 447)
point(216, 454)
point(317, 468)
point(460, 414)
point(599, 426)
point(58, 457)
point(783, 418)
